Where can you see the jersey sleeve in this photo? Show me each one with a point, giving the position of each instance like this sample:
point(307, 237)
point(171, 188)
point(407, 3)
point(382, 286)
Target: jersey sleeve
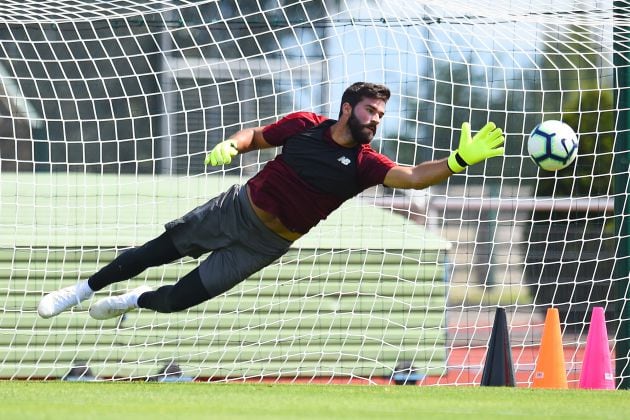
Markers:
point(277, 133)
point(373, 167)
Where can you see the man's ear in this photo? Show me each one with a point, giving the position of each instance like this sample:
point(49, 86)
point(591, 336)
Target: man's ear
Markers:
point(346, 109)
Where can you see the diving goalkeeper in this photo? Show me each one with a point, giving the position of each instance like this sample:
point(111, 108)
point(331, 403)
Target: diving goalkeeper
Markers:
point(323, 163)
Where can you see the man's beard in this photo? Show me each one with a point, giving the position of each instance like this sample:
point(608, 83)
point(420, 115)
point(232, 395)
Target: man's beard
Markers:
point(361, 133)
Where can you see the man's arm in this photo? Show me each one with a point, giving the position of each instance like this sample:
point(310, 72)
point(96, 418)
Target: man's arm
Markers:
point(418, 177)
point(250, 139)
point(485, 144)
point(242, 141)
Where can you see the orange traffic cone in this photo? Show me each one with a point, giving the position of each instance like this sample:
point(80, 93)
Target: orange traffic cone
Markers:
point(550, 370)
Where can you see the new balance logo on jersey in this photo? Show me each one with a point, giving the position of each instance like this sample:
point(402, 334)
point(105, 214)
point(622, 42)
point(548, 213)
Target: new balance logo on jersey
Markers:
point(344, 160)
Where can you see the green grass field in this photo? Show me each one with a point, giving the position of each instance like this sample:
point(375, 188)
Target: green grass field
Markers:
point(134, 400)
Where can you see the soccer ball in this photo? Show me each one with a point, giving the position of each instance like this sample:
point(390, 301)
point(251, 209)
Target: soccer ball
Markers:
point(552, 145)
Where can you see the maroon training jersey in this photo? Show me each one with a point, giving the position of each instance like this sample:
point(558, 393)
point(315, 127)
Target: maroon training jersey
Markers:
point(301, 201)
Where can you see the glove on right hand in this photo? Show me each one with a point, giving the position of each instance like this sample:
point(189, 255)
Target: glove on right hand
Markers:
point(222, 153)
point(483, 145)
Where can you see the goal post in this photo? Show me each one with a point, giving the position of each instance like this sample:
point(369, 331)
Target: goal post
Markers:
point(108, 108)
point(622, 187)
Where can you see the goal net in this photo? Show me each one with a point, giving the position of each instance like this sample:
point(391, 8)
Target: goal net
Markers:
point(107, 109)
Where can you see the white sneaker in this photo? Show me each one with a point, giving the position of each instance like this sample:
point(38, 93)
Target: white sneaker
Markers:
point(61, 300)
point(113, 306)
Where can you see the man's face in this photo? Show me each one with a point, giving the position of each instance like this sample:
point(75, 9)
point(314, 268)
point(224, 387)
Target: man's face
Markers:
point(364, 118)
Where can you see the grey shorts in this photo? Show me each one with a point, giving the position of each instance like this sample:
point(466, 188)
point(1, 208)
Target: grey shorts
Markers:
point(239, 242)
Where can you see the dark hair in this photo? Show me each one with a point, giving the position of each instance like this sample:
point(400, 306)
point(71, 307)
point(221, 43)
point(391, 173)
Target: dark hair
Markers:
point(359, 90)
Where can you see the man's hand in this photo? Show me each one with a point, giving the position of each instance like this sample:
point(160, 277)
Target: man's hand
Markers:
point(222, 153)
point(483, 145)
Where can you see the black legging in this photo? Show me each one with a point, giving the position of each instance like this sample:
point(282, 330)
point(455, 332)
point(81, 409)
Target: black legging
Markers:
point(188, 291)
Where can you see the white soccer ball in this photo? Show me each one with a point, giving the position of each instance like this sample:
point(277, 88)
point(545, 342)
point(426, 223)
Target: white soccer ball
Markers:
point(552, 145)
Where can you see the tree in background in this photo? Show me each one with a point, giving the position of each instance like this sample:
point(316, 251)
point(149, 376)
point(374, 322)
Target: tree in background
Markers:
point(570, 255)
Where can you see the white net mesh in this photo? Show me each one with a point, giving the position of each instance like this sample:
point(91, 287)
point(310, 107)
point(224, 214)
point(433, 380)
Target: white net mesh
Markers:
point(107, 109)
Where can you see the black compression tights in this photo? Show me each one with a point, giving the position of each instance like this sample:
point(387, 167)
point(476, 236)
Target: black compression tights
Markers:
point(188, 291)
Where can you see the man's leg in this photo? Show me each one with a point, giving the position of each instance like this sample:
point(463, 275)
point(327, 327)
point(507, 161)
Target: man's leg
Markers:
point(134, 261)
point(187, 292)
point(221, 270)
point(240, 243)
point(127, 265)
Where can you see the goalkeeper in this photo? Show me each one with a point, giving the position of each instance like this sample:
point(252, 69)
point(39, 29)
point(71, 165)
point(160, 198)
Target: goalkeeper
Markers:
point(323, 163)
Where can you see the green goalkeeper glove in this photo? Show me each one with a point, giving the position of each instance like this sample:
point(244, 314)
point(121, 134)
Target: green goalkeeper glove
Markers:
point(222, 153)
point(483, 145)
